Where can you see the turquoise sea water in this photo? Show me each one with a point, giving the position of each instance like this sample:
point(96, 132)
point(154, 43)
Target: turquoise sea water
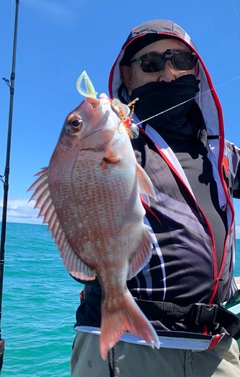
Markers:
point(39, 304)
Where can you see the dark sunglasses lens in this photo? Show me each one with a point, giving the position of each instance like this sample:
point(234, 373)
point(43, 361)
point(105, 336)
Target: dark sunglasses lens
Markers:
point(152, 62)
point(184, 60)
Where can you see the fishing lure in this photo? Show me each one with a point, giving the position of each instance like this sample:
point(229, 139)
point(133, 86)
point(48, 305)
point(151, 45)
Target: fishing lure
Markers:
point(125, 112)
point(89, 90)
point(125, 115)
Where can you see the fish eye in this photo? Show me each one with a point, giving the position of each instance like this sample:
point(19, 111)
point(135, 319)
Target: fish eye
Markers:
point(74, 125)
point(76, 122)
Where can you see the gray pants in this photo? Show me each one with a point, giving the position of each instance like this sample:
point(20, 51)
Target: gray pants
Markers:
point(133, 360)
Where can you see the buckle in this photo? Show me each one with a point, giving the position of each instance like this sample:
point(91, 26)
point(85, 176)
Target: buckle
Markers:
point(201, 314)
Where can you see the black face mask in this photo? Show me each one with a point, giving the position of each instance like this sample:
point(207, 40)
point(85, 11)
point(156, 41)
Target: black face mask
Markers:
point(156, 97)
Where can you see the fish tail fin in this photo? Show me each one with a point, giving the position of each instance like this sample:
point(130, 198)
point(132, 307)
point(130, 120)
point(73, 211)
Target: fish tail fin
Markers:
point(128, 317)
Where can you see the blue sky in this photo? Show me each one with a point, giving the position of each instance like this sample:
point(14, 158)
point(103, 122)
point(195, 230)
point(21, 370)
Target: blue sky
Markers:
point(58, 39)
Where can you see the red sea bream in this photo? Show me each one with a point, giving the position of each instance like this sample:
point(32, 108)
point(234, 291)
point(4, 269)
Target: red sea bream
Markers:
point(90, 197)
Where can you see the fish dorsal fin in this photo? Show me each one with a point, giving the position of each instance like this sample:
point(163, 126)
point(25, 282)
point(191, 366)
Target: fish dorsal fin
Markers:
point(144, 182)
point(142, 255)
point(75, 266)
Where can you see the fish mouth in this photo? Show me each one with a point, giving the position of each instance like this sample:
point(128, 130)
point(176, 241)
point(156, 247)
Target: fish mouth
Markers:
point(94, 102)
point(87, 108)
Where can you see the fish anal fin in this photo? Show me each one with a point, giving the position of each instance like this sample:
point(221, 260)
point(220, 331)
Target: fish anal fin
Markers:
point(142, 255)
point(81, 276)
point(74, 264)
point(83, 271)
point(145, 184)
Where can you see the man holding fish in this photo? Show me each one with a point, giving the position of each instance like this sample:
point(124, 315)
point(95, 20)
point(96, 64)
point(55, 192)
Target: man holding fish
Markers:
point(156, 226)
point(195, 174)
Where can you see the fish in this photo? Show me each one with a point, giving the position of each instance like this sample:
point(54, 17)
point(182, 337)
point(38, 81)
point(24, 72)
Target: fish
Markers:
point(90, 197)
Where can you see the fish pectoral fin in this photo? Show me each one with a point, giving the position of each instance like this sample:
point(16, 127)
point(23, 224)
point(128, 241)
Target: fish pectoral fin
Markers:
point(145, 184)
point(142, 255)
point(111, 157)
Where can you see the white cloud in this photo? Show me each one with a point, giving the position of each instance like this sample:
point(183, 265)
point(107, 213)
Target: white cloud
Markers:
point(21, 211)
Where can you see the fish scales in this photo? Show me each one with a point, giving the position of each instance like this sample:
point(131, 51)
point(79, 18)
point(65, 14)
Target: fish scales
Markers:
point(90, 197)
point(88, 214)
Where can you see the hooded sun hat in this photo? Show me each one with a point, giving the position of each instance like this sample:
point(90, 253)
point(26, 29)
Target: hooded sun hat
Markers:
point(154, 30)
point(147, 33)
point(206, 98)
point(137, 44)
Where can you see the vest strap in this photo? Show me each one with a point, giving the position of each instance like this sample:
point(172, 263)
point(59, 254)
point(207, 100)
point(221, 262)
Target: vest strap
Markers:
point(195, 314)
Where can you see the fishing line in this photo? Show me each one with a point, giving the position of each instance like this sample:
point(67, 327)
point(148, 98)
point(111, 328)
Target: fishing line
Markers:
point(234, 9)
point(190, 99)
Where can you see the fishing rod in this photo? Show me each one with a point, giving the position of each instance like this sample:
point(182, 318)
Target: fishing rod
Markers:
point(5, 177)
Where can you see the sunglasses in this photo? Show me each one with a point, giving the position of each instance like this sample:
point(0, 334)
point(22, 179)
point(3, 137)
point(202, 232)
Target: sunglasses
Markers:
point(155, 62)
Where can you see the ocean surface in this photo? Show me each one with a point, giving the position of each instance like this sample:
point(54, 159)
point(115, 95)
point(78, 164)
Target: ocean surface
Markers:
point(39, 304)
